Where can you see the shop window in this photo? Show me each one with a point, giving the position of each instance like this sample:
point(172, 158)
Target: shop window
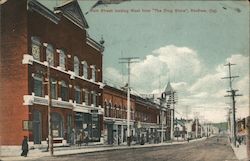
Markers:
point(76, 65)
point(38, 85)
point(57, 124)
point(62, 59)
point(35, 47)
point(64, 91)
point(50, 54)
point(85, 70)
point(53, 88)
point(77, 94)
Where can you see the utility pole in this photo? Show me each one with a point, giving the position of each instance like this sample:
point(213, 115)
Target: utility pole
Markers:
point(233, 95)
point(128, 60)
point(173, 101)
point(50, 138)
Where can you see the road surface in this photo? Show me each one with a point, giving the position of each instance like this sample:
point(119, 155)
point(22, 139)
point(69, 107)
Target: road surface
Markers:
point(204, 150)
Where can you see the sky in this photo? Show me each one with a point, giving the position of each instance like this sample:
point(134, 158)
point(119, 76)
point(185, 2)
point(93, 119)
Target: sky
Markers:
point(184, 42)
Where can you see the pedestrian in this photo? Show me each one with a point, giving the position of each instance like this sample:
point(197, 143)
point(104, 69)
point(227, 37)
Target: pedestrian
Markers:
point(86, 140)
point(25, 146)
point(142, 140)
point(82, 136)
point(78, 139)
point(72, 136)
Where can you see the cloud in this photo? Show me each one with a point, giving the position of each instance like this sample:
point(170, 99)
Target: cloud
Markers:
point(179, 64)
point(196, 86)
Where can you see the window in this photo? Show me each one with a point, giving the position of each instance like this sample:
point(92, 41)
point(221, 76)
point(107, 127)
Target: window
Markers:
point(86, 97)
point(50, 55)
point(38, 85)
point(35, 48)
point(93, 73)
point(85, 69)
point(94, 98)
point(76, 65)
point(105, 108)
point(110, 110)
point(77, 94)
point(62, 59)
point(64, 91)
point(57, 124)
point(53, 88)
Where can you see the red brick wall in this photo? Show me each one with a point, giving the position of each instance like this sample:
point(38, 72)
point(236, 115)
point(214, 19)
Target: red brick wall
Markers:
point(14, 75)
point(117, 98)
point(67, 36)
point(17, 27)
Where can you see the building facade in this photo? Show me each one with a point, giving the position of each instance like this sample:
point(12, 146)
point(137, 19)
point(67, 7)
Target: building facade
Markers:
point(33, 39)
point(148, 119)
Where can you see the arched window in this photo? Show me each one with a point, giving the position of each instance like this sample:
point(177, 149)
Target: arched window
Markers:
point(105, 108)
point(110, 110)
point(50, 54)
point(35, 47)
point(77, 94)
point(64, 91)
point(114, 111)
point(62, 59)
point(85, 70)
point(76, 65)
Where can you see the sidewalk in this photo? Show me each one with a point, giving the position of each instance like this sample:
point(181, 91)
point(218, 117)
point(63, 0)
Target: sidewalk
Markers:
point(36, 153)
point(240, 152)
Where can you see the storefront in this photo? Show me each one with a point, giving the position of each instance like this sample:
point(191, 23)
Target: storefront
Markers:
point(89, 124)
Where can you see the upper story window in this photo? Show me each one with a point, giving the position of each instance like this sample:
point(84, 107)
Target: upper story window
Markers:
point(86, 95)
point(62, 59)
point(50, 54)
point(94, 98)
point(93, 72)
point(77, 94)
point(85, 69)
point(38, 85)
point(76, 65)
point(35, 47)
point(53, 88)
point(64, 91)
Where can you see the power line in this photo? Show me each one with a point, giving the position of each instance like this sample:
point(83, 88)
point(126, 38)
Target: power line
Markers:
point(232, 95)
point(128, 60)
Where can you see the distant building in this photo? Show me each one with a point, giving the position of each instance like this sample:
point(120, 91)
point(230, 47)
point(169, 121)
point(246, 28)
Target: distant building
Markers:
point(146, 119)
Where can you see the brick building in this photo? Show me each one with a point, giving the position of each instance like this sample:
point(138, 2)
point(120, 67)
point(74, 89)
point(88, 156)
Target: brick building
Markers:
point(147, 118)
point(34, 38)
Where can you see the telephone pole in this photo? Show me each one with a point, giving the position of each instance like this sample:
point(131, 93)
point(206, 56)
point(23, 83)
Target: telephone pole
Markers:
point(50, 137)
point(232, 95)
point(128, 60)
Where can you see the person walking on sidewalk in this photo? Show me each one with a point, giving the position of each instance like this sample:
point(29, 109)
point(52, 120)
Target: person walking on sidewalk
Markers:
point(78, 138)
point(25, 147)
point(86, 140)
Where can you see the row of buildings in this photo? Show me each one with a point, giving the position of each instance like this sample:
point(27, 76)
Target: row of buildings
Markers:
point(185, 129)
point(35, 39)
